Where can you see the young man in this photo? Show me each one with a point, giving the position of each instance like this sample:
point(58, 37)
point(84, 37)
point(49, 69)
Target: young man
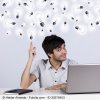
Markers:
point(52, 72)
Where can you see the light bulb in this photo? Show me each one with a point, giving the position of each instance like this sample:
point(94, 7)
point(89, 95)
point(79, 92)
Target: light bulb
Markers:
point(77, 9)
point(32, 32)
point(64, 6)
point(1, 19)
point(88, 16)
point(81, 29)
point(70, 16)
point(7, 3)
point(49, 28)
point(64, 27)
point(23, 24)
point(91, 26)
point(9, 23)
point(41, 33)
point(97, 21)
point(90, 3)
point(28, 6)
point(18, 12)
point(8, 32)
point(48, 14)
point(18, 2)
point(53, 3)
point(19, 32)
point(39, 19)
point(29, 16)
point(7, 13)
point(56, 18)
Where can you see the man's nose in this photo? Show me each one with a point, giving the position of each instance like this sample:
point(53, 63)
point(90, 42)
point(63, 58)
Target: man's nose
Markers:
point(64, 50)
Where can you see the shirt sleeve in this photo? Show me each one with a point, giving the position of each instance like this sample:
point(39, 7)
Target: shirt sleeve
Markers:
point(35, 72)
point(35, 69)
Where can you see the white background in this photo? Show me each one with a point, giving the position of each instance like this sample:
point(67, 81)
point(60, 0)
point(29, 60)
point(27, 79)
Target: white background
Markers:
point(85, 49)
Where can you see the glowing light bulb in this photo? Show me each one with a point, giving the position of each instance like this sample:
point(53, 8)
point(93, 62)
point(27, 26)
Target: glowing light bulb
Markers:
point(90, 3)
point(7, 3)
point(7, 13)
point(1, 19)
point(39, 19)
point(53, 3)
point(81, 29)
point(8, 32)
point(41, 33)
point(91, 27)
point(49, 28)
point(19, 32)
point(48, 14)
point(56, 18)
point(32, 33)
point(70, 16)
point(97, 21)
point(55, 10)
point(64, 26)
point(32, 13)
point(64, 6)
point(77, 9)
point(88, 16)
point(28, 5)
point(54, 6)
point(9, 23)
point(23, 24)
point(18, 2)
point(18, 12)
point(28, 17)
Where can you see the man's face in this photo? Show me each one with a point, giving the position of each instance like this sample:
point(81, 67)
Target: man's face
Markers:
point(59, 54)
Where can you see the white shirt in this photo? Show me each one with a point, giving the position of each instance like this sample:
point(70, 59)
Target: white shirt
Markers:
point(48, 76)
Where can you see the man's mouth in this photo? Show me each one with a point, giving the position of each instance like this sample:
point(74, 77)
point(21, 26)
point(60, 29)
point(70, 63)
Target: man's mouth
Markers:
point(64, 56)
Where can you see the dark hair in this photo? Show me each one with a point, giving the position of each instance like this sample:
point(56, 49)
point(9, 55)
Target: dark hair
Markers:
point(52, 42)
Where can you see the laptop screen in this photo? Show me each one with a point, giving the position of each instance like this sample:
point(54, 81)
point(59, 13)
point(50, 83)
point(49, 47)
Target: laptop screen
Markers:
point(83, 79)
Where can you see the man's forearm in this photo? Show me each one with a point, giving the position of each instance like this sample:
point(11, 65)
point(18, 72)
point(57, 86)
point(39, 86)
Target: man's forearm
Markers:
point(25, 79)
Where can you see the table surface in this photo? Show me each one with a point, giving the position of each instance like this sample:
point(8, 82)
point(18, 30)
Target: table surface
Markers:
point(38, 92)
point(93, 96)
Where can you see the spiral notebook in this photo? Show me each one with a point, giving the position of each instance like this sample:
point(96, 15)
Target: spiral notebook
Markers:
point(18, 91)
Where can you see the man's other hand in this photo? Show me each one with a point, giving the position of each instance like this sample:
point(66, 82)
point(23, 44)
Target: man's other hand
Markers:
point(57, 87)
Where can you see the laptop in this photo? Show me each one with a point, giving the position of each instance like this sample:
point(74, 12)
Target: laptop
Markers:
point(83, 79)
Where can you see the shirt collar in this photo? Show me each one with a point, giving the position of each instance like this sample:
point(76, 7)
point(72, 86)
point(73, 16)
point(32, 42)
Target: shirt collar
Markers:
point(48, 65)
point(63, 65)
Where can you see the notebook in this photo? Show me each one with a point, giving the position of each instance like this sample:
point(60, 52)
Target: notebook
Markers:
point(18, 91)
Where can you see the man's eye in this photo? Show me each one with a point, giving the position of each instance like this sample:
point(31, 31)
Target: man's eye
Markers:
point(59, 49)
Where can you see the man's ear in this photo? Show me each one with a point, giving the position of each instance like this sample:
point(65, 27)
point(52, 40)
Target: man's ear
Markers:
point(50, 55)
